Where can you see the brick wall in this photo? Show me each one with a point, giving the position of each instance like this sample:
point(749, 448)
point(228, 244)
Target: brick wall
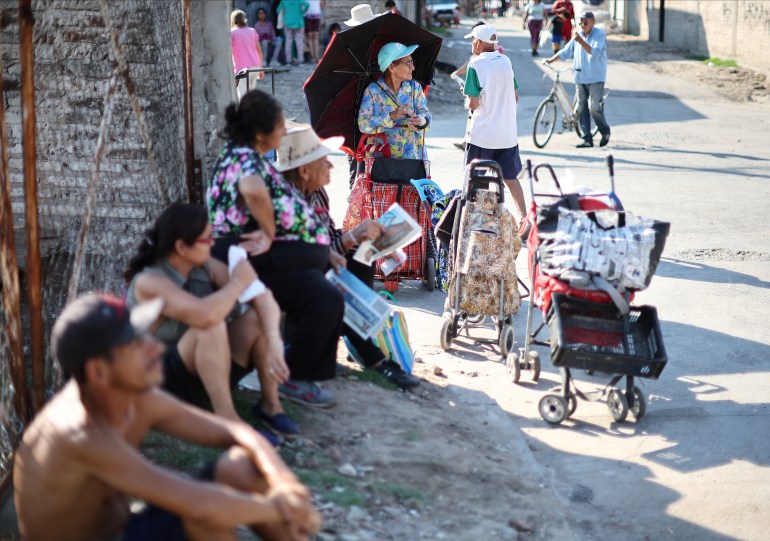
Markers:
point(733, 29)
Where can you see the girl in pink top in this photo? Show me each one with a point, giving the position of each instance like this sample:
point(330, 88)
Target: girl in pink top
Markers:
point(247, 52)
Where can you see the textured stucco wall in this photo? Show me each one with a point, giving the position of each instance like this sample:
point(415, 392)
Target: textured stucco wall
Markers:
point(735, 29)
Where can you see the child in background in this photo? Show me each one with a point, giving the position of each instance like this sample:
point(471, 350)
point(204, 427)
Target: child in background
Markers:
point(246, 51)
point(333, 29)
point(266, 32)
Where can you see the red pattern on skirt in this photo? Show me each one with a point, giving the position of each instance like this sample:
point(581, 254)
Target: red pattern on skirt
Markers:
point(383, 196)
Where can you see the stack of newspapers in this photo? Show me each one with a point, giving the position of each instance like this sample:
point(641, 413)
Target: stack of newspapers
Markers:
point(365, 310)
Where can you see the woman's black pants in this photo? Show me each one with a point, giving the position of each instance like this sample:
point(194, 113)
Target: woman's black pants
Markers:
point(294, 272)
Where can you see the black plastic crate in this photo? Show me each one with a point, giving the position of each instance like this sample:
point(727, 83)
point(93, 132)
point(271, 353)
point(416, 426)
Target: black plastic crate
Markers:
point(594, 336)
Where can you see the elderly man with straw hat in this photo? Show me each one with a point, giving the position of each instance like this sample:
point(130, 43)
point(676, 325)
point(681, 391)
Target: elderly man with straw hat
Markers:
point(303, 159)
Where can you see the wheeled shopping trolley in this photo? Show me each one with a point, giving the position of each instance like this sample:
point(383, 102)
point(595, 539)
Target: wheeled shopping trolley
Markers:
point(483, 247)
point(387, 182)
point(586, 258)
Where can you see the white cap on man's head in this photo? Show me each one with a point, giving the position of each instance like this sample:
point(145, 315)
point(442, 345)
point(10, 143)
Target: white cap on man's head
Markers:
point(484, 33)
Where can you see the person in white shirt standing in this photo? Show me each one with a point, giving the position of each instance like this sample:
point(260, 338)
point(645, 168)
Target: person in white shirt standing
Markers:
point(490, 86)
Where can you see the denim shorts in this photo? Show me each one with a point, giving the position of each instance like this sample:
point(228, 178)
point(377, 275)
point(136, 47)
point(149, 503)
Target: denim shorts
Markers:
point(507, 158)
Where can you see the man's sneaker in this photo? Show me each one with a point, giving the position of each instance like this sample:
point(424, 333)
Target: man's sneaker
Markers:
point(307, 393)
point(585, 144)
point(396, 375)
point(605, 140)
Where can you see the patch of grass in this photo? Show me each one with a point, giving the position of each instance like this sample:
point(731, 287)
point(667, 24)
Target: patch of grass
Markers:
point(698, 57)
point(376, 378)
point(442, 31)
point(404, 494)
point(721, 62)
point(176, 454)
point(334, 487)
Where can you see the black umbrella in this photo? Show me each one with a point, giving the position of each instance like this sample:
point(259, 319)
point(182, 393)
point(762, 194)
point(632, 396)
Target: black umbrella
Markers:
point(336, 87)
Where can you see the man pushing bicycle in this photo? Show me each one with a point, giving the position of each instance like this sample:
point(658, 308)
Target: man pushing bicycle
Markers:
point(589, 60)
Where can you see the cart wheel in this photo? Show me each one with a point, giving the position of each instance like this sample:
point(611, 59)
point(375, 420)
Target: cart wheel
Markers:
point(514, 369)
point(447, 334)
point(506, 341)
point(571, 404)
point(475, 319)
point(430, 274)
point(553, 408)
point(640, 404)
point(534, 365)
point(618, 405)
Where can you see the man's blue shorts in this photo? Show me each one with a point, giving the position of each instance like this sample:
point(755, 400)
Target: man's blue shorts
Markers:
point(156, 524)
point(508, 158)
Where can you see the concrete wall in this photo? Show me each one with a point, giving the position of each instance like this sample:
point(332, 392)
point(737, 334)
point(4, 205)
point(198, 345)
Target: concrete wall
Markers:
point(731, 29)
point(213, 82)
point(339, 10)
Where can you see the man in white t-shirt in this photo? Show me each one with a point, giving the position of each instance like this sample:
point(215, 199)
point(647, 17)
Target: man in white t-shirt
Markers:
point(490, 86)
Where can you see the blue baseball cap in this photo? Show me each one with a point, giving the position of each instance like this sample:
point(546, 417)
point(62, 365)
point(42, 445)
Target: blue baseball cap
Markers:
point(391, 52)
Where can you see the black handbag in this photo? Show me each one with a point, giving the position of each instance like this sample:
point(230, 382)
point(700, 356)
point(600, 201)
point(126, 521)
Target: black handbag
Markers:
point(397, 171)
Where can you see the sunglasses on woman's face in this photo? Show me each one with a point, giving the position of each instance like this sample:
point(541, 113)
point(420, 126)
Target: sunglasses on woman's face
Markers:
point(408, 63)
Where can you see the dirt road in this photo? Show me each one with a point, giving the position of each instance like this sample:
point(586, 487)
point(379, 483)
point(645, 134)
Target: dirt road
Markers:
point(468, 457)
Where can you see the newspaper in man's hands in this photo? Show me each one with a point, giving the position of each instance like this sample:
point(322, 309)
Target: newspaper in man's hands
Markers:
point(400, 230)
point(365, 310)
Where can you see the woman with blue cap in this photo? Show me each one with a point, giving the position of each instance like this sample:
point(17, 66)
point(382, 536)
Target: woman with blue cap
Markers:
point(396, 104)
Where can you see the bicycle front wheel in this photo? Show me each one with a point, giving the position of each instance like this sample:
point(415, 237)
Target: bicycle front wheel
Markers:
point(545, 122)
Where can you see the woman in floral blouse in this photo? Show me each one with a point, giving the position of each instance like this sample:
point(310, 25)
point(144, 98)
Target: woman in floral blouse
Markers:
point(248, 193)
point(396, 105)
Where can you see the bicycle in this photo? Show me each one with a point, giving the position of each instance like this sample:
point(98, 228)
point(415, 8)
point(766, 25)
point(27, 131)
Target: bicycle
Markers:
point(545, 116)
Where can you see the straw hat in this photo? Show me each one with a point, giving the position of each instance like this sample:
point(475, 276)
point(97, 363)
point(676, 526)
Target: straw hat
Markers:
point(301, 145)
point(360, 14)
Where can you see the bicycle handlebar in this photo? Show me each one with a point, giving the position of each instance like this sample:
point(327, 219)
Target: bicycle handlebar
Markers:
point(549, 66)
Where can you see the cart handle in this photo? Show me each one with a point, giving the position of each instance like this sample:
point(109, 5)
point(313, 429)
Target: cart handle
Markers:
point(553, 175)
point(475, 180)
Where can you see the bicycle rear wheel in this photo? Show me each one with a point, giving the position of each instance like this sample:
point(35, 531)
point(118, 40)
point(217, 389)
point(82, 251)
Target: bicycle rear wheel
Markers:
point(545, 122)
point(594, 130)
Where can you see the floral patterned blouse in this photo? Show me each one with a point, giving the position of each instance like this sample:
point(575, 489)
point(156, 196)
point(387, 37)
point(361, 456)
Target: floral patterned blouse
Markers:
point(374, 117)
point(295, 219)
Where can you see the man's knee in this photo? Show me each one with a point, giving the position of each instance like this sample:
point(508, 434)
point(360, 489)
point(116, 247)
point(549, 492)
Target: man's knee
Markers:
point(235, 468)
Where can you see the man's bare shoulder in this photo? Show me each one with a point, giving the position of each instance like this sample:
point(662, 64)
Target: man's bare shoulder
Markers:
point(63, 422)
point(55, 461)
